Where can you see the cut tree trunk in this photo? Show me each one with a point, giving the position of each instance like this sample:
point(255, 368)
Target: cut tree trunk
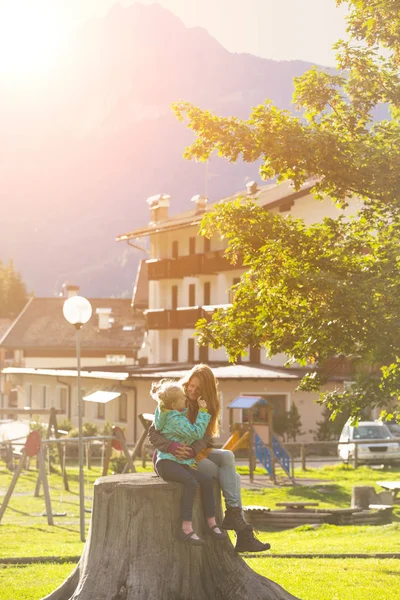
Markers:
point(132, 552)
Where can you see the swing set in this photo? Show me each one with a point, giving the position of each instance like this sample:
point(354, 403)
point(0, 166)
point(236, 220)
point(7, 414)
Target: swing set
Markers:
point(35, 447)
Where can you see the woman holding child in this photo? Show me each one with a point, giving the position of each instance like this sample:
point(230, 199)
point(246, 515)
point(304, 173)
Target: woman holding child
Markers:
point(217, 463)
point(170, 418)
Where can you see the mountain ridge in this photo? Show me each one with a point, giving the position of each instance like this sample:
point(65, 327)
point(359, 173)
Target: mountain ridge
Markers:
point(87, 150)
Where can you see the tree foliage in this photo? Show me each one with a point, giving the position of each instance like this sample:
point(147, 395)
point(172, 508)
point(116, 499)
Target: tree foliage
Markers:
point(13, 294)
point(331, 289)
point(289, 425)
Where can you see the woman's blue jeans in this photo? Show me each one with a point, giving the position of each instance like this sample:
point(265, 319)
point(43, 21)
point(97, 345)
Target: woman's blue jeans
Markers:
point(221, 465)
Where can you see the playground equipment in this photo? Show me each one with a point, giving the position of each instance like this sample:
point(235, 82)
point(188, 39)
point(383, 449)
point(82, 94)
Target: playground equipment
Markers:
point(257, 436)
point(34, 446)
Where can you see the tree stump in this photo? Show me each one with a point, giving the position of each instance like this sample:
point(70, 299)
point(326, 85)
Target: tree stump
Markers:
point(132, 552)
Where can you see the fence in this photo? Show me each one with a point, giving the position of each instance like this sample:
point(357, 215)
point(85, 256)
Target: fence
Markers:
point(315, 452)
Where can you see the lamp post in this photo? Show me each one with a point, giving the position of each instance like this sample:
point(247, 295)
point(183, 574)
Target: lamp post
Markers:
point(77, 311)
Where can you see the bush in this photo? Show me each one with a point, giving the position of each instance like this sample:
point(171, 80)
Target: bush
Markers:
point(288, 425)
point(118, 463)
point(329, 429)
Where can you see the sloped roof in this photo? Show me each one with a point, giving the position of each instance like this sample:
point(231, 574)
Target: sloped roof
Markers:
point(140, 296)
point(246, 402)
point(268, 196)
point(41, 324)
point(221, 372)
point(225, 371)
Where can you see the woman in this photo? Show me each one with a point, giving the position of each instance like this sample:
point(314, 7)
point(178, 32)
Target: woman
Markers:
point(218, 463)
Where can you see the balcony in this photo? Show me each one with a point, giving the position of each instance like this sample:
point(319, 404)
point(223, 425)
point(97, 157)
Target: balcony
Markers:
point(186, 266)
point(209, 263)
point(158, 319)
point(158, 269)
point(180, 318)
point(187, 317)
point(215, 262)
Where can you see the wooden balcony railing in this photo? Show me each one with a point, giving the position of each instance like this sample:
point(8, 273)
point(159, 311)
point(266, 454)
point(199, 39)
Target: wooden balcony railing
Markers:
point(208, 263)
point(215, 262)
point(180, 318)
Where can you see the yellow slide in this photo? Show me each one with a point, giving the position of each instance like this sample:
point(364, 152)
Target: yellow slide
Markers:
point(231, 441)
point(237, 441)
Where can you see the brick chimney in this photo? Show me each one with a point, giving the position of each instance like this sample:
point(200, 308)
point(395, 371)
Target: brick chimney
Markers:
point(200, 203)
point(251, 187)
point(159, 205)
point(70, 290)
point(104, 315)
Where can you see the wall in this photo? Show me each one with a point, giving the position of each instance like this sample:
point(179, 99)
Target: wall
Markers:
point(53, 398)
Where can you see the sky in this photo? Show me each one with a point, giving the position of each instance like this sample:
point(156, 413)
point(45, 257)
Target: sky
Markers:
point(277, 29)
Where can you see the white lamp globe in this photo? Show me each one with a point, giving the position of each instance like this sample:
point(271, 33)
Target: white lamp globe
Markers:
point(77, 310)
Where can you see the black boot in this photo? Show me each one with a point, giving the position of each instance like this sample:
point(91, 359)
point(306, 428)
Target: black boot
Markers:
point(234, 519)
point(247, 542)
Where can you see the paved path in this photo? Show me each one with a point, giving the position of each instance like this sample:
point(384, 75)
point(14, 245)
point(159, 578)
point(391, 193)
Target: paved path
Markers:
point(263, 481)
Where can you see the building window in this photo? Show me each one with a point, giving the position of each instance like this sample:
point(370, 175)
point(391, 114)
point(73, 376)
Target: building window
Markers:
point(207, 244)
point(192, 294)
point(192, 245)
point(207, 293)
point(203, 354)
point(13, 398)
point(63, 400)
point(175, 249)
point(28, 395)
point(44, 396)
point(278, 403)
point(174, 297)
point(123, 408)
point(101, 410)
point(175, 350)
point(190, 350)
point(235, 281)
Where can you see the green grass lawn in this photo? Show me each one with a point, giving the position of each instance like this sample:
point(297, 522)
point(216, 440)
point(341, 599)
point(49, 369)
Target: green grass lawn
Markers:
point(333, 579)
point(308, 579)
point(24, 532)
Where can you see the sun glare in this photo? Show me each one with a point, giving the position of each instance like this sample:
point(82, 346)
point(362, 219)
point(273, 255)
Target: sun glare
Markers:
point(30, 37)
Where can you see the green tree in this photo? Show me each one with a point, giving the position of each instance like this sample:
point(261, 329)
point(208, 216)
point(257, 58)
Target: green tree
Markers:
point(331, 289)
point(294, 423)
point(329, 428)
point(13, 294)
point(288, 424)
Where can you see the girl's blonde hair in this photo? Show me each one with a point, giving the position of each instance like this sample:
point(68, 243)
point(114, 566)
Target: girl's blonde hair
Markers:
point(166, 392)
point(209, 393)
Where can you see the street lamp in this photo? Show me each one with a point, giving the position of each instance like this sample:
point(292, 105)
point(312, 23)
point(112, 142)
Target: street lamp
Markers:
point(77, 311)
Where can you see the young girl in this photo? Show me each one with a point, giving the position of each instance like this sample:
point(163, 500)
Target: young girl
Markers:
point(170, 419)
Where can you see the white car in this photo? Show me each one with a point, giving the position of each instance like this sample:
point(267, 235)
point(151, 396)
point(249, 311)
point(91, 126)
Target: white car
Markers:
point(377, 449)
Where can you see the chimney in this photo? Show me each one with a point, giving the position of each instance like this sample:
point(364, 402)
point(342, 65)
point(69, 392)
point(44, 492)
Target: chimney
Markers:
point(159, 205)
point(104, 317)
point(200, 203)
point(251, 187)
point(70, 290)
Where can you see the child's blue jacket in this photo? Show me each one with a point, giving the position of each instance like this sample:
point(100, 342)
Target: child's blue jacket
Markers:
point(175, 425)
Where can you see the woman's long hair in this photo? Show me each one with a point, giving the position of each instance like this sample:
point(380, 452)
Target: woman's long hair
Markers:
point(209, 392)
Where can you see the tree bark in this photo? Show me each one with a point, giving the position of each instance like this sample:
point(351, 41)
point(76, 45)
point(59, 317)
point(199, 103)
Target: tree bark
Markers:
point(132, 552)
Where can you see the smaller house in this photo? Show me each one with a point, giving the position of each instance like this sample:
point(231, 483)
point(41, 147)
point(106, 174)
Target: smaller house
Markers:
point(41, 338)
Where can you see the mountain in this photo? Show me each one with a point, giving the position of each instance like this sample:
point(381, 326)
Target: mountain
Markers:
point(84, 148)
